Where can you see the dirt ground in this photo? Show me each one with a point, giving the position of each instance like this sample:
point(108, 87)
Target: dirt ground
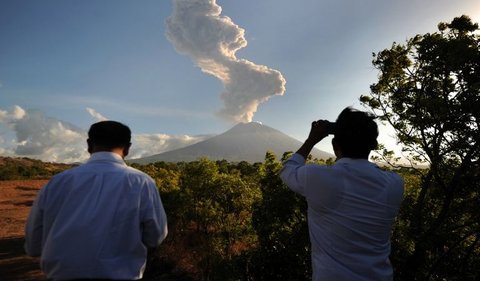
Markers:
point(16, 198)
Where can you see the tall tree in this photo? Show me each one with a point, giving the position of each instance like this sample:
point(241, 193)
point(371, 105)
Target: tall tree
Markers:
point(428, 90)
point(216, 209)
point(280, 221)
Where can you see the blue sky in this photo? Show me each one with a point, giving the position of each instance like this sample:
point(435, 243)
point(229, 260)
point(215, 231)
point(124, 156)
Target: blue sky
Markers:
point(65, 64)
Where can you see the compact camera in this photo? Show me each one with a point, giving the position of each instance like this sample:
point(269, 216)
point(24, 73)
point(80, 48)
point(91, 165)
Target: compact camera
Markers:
point(331, 128)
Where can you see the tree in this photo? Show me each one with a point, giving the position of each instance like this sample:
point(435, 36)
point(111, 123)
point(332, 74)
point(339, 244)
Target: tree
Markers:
point(212, 210)
point(231, 234)
point(280, 220)
point(428, 90)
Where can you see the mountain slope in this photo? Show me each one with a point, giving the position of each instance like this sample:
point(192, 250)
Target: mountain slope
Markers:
point(244, 142)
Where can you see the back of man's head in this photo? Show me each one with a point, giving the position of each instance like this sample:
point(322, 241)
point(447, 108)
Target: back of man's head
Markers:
point(356, 133)
point(109, 134)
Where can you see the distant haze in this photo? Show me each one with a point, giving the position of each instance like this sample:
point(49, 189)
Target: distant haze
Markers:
point(244, 142)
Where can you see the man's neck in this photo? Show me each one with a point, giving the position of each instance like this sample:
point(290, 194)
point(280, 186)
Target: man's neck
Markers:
point(117, 150)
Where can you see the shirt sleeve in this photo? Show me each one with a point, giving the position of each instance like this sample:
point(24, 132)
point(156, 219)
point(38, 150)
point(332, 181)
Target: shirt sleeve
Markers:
point(293, 173)
point(34, 227)
point(154, 222)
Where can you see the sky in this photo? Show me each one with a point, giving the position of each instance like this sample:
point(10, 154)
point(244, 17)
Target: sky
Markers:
point(177, 72)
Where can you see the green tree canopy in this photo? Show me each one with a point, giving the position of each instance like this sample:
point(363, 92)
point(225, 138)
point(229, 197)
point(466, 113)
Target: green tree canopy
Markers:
point(428, 90)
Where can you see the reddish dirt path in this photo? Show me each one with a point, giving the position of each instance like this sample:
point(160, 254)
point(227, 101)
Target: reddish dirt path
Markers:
point(16, 198)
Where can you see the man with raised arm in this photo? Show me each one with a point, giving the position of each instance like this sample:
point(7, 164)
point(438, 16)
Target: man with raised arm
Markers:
point(352, 204)
point(97, 220)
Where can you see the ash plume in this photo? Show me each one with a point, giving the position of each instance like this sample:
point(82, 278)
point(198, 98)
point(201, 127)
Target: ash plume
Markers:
point(196, 28)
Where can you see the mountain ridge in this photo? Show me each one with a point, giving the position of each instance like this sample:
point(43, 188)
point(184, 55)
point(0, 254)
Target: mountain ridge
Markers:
point(243, 142)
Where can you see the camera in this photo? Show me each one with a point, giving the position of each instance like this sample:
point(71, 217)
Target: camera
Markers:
point(331, 128)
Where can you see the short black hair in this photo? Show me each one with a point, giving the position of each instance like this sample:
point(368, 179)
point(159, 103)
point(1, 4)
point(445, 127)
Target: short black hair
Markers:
point(356, 133)
point(109, 134)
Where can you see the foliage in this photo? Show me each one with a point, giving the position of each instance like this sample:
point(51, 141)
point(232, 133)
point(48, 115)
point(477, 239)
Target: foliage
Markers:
point(280, 221)
point(209, 206)
point(232, 221)
point(238, 221)
point(25, 168)
point(428, 90)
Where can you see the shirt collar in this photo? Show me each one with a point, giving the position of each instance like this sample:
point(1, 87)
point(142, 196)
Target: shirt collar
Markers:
point(347, 160)
point(106, 156)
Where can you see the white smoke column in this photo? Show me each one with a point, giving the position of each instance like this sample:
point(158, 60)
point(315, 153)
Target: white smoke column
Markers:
point(197, 29)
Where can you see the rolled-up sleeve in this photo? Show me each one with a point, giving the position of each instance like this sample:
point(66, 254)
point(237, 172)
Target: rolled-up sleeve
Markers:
point(154, 219)
point(293, 173)
point(34, 227)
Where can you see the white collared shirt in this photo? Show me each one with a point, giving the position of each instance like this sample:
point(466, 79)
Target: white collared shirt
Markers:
point(351, 208)
point(96, 221)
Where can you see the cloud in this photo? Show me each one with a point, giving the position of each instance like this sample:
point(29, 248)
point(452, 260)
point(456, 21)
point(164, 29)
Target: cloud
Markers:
point(15, 114)
point(97, 116)
point(43, 137)
point(39, 136)
point(197, 29)
point(149, 144)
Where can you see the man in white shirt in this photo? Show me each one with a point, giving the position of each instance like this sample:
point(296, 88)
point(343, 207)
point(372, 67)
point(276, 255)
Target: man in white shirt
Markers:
point(97, 220)
point(351, 205)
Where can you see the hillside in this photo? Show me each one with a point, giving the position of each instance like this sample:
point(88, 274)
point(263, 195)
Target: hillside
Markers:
point(244, 142)
point(14, 168)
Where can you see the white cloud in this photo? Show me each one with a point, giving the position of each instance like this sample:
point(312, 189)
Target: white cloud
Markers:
point(149, 144)
point(43, 137)
point(197, 29)
point(39, 136)
point(96, 115)
point(15, 113)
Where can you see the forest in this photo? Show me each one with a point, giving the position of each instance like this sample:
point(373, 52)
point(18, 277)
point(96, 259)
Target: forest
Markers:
point(238, 221)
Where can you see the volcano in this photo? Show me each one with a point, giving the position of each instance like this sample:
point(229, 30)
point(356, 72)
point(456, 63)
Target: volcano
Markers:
point(244, 142)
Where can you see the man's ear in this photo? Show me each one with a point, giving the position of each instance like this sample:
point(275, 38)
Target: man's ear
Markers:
point(89, 146)
point(336, 148)
point(126, 150)
point(334, 144)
